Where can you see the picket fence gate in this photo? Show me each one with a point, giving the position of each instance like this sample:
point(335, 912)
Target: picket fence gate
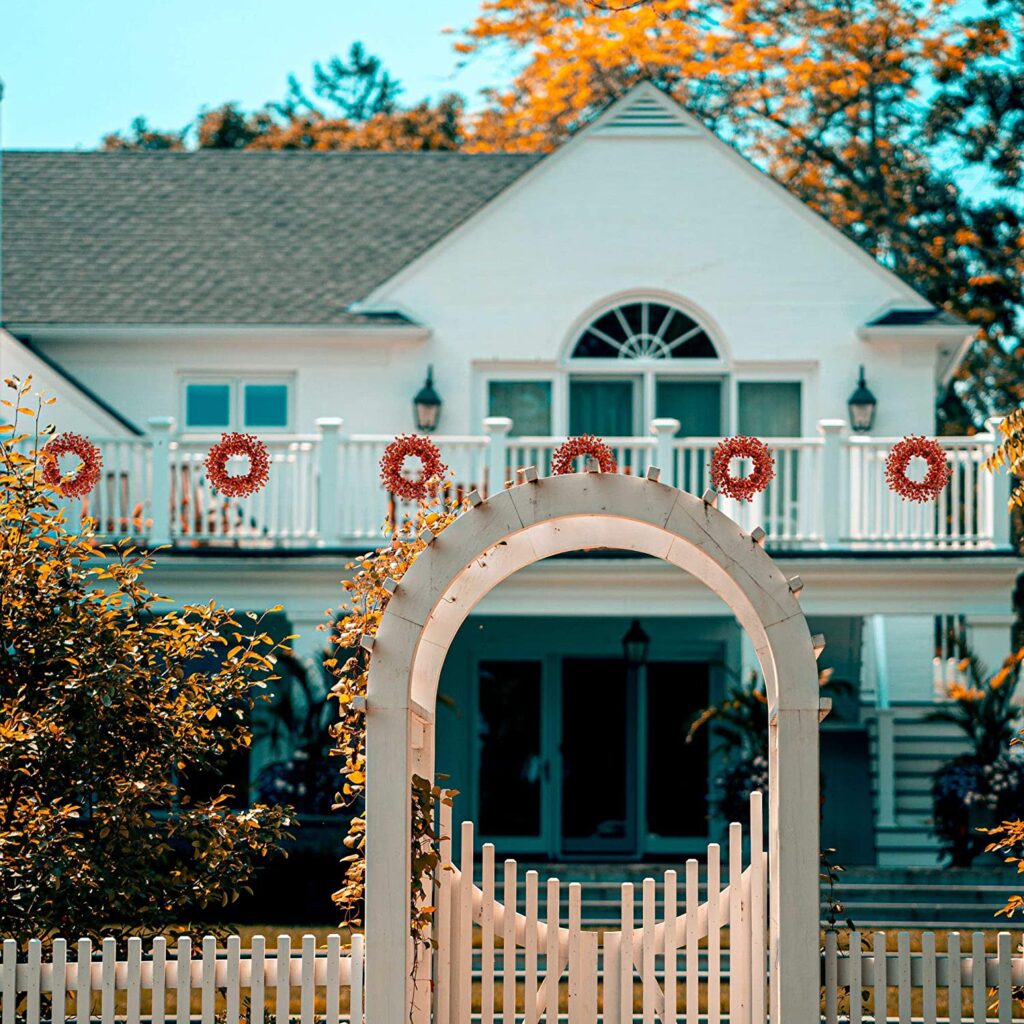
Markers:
point(141, 986)
point(658, 964)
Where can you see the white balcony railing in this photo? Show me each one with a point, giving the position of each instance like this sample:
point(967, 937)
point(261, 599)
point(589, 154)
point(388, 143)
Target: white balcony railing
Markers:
point(829, 491)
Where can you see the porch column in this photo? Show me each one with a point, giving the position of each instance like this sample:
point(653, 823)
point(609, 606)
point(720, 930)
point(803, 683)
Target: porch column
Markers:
point(665, 431)
point(830, 493)
point(497, 428)
point(328, 522)
point(1002, 485)
point(160, 428)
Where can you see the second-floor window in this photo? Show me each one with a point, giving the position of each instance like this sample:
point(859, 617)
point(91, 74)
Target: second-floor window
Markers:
point(224, 403)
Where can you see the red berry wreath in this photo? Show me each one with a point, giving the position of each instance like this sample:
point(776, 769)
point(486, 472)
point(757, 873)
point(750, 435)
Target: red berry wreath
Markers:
point(916, 447)
point(88, 474)
point(433, 468)
point(248, 446)
point(563, 459)
point(740, 447)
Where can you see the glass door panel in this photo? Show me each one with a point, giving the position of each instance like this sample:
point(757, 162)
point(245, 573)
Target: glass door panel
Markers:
point(677, 771)
point(511, 762)
point(697, 404)
point(602, 407)
point(773, 409)
point(598, 750)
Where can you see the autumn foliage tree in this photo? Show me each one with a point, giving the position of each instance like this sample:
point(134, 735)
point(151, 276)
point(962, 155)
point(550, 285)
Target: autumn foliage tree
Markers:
point(111, 709)
point(901, 122)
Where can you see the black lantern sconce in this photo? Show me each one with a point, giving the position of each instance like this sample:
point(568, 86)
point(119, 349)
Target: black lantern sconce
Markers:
point(862, 405)
point(427, 405)
point(636, 645)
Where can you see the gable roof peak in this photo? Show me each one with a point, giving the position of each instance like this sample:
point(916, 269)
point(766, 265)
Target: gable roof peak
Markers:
point(644, 109)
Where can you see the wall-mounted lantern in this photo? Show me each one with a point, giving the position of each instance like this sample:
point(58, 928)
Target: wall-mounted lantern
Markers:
point(427, 405)
point(862, 405)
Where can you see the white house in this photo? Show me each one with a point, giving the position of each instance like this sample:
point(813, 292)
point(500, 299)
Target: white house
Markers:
point(644, 283)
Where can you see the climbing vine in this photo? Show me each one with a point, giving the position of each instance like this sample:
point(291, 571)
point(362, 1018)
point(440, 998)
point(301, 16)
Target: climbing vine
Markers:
point(366, 596)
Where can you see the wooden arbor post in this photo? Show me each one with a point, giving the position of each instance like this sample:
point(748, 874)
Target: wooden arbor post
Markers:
point(509, 531)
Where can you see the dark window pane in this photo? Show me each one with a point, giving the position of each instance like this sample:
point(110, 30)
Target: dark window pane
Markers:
point(598, 781)
point(510, 761)
point(208, 405)
point(677, 771)
point(602, 407)
point(266, 405)
point(526, 402)
point(697, 404)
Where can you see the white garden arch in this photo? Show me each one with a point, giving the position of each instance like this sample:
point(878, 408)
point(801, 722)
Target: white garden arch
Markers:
point(515, 528)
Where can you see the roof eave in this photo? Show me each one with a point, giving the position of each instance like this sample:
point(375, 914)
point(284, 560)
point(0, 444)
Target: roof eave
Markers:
point(397, 333)
point(915, 334)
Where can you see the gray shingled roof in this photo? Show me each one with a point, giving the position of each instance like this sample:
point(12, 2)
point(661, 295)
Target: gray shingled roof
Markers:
point(225, 237)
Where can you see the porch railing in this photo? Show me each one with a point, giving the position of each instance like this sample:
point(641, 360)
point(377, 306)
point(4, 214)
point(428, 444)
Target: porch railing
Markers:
point(829, 491)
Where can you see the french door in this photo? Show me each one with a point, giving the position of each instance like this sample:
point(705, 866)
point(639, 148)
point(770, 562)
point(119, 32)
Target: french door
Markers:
point(579, 758)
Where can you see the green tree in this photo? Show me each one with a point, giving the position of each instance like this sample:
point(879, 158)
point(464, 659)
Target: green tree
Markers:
point(111, 709)
point(352, 105)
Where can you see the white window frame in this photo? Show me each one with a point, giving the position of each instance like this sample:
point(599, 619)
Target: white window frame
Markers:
point(237, 385)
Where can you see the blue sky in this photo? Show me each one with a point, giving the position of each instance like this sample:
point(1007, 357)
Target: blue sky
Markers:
point(76, 69)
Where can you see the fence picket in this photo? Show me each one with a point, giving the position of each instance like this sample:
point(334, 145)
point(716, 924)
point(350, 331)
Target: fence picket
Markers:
point(856, 977)
point(626, 956)
point(208, 980)
point(903, 975)
point(739, 969)
point(108, 980)
point(831, 977)
point(232, 993)
point(714, 934)
point(462, 968)
point(757, 910)
point(552, 971)
point(443, 902)
point(530, 951)
point(183, 981)
point(307, 992)
point(648, 978)
point(577, 995)
point(979, 989)
point(9, 980)
point(133, 999)
point(283, 977)
point(356, 979)
point(487, 936)
point(83, 981)
point(929, 1010)
point(611, 977)
point(671, 948)
point(33, 988)
point(879, 979)
point(332, 981)
point(508, 944)
point(953, 981)
point(257, 979)
point(692, 944)
point(59, 982)
point(1003, 983)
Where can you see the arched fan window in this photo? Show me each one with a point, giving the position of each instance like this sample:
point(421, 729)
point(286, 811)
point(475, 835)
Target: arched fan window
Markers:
point(644, 330)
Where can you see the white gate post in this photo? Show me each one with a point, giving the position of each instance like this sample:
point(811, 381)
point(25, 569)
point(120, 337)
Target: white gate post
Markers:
point(328, 511)
point(794, 866)
point(160, 428)
point(665, 431)
point(497, 428)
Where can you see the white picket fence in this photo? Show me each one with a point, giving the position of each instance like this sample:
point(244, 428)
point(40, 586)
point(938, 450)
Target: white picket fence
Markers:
point(659, 966)
point(865, 980)
point(312, 985)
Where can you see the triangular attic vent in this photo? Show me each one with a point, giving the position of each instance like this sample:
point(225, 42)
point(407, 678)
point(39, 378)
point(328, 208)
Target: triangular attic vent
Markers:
point(646, 115)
